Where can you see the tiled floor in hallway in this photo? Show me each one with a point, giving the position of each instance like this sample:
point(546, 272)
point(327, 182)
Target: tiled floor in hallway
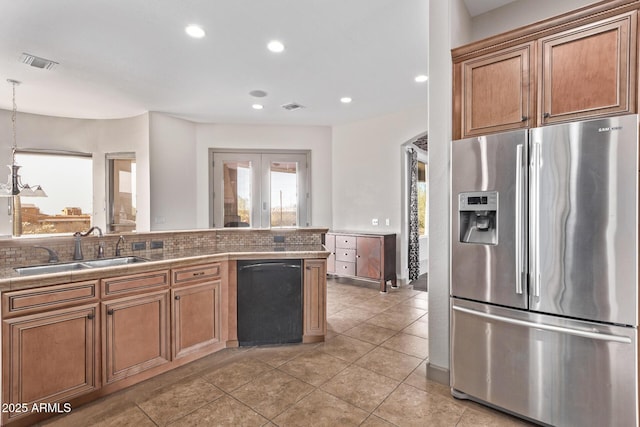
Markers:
point(369, 372)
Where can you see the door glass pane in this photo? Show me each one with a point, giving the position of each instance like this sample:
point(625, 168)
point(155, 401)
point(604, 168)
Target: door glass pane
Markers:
point(237, 193)
point(284, 194)
point(122, 195)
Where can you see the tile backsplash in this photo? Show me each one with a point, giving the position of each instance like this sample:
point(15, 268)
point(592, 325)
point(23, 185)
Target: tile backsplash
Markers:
point(22, 251)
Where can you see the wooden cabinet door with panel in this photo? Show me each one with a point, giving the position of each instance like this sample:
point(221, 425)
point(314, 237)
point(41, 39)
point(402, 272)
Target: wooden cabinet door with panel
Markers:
point(135, 334)
point(369, 257)
point(330, 244)
point(314, 294)
point(195, 317)
point(494, 92)
point(587, 71)
point(49, 357)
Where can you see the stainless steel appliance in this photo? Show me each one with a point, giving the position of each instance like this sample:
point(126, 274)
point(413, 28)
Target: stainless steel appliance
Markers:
point(544, 259)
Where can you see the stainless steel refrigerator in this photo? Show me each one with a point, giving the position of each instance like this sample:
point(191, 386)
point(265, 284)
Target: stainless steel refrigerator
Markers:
point(544, 272)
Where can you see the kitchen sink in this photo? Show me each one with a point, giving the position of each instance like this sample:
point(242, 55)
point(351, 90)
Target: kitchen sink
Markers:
point(109, 262)
point(77, 265)
point(50, 268)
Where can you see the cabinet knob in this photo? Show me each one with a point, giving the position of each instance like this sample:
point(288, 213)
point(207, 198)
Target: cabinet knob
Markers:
point(525, 118)
point(177, 297)
point(90, 316)
point(546, 115)
point(110, 311)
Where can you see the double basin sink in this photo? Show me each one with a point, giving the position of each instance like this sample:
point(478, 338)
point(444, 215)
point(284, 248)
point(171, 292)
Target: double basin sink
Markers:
point(78, 265)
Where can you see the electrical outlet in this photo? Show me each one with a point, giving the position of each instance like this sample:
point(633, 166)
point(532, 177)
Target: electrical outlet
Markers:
point(278, 239)
point(374, 221)
point(138, 246)
point(386, 221)
point(157, 244)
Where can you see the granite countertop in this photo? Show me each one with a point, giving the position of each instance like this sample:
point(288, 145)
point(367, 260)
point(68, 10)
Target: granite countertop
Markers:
point(11, 280)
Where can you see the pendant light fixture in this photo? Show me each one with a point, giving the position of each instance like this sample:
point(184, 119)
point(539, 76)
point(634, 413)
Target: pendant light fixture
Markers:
point(14, 185)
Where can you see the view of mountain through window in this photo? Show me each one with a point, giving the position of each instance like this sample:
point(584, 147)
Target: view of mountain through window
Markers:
point(68, 182)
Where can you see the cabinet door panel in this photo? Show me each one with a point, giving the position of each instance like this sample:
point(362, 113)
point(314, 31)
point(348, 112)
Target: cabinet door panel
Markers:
point(50, 357)
point(135, 334)
point(196, 317)
point(495, 91)
point(586, 71)
point(314, 300)
point(330, 244)
point(368, 257)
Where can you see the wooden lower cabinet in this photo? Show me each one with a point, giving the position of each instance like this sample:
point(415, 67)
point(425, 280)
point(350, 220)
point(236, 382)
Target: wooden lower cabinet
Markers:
point(135, 334)
point(49, 357)
point(195, 317)
point(314, 306)
point(370, 256)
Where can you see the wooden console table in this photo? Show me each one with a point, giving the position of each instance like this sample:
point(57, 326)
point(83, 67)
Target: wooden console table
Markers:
point(369, 256)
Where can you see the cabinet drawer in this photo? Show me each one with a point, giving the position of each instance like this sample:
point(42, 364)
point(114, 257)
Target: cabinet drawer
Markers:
point(346, 268)
point(135, 283)
point(345, 242)
point(347, 255)
point(195, 274)
point(47, 298)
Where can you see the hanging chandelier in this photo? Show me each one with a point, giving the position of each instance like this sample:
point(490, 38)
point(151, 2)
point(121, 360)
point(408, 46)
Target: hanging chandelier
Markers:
point(14, 185)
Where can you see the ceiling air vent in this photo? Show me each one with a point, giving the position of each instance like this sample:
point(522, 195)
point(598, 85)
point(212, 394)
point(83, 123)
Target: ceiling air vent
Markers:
point(292, 106)
point(36, 61)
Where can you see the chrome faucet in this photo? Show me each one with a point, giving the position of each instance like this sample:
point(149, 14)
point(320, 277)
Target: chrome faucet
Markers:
point(53, 256)
point(77, 252)
point(118, 249)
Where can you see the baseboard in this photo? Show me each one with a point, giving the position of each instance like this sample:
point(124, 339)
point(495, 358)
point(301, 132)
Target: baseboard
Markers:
point(438, 374)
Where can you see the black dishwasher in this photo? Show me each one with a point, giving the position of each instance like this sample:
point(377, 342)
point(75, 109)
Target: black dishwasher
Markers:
point(269, 302)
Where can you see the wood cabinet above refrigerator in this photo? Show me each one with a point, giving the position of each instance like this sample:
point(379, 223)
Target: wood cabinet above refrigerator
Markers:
point(576, 66)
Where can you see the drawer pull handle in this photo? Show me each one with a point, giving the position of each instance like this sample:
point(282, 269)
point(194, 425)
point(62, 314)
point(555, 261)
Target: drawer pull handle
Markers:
point(199, 273)
point(110, 311)
point(90, 316)
point(177, 297)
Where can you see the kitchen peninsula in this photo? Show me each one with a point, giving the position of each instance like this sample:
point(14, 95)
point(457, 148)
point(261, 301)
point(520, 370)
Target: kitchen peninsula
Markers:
point(73, 336)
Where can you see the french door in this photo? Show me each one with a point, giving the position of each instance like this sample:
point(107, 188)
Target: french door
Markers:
point(260, 190)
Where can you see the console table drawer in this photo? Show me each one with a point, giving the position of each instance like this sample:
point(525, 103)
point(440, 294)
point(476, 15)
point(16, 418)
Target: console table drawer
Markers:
point(345, 242)
point(347, 255)
point(346, 268)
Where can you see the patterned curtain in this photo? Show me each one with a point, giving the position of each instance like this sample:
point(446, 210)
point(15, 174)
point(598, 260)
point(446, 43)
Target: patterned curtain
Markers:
point(414, 232)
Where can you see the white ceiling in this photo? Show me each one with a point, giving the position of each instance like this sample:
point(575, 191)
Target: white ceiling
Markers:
point(120, 58)
point(124, 57)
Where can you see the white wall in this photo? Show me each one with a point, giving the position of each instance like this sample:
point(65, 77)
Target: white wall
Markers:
point(367, 158)
point(260, 137)
point(82, 135)
point(172, 150)
point(518, 14)
point(449, 24)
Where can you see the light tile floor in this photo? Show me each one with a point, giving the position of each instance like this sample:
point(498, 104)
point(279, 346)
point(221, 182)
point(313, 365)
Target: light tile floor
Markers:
point(371, 371)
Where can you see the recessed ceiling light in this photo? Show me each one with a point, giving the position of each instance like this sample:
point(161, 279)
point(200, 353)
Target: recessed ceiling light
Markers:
point(421, 78)
point(194, 31)
point(257, 106)
point(258, 93)
point(275, 46)
point(345, 100)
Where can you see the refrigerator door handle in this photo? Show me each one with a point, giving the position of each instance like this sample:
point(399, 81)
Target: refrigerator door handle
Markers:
point(518, 224)
point(545, 327)
point(535, 219)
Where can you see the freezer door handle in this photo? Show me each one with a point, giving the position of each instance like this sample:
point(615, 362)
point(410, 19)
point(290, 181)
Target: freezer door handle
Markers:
point(544, 327)
point(518, 210)
point(535, 219)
